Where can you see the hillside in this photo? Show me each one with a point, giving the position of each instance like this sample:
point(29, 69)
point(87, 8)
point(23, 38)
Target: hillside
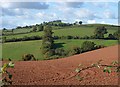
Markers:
point(76, 30)
point(17, 41)
point(57, 72)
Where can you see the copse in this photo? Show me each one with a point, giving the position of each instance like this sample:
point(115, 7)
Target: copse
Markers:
point(99, 32)
point(48, 42)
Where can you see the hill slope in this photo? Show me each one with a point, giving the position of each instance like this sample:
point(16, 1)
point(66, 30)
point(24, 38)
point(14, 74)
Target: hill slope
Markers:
point(77, 30)
point(57, 72)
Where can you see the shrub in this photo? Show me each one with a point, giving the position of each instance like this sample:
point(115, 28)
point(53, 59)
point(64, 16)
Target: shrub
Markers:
point(76, 37)
point(99, 46)
point(88, 46)
point(49, 53)
point(69, 37)
point(116, 35)
point(110, 36)
point(63, 37)
point(60, 52)
point(92, 37)
point(25, 38)
point(54, 57)
point(85, 37)
point(56, 37)
point(74, 50)
point(27, 57)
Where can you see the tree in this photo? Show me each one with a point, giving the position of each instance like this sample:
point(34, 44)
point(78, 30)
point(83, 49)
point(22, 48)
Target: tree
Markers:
point(80, 22)
point(4, 29)
point(99, 32)
point(34, 28)
point(40, 28)
point(18, 27)
point(48, 42)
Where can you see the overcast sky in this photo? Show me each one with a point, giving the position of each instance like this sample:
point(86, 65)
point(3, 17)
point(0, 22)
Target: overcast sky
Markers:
point(28, 13)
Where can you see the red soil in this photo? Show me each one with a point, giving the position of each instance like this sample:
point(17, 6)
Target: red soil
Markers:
point(59, 71)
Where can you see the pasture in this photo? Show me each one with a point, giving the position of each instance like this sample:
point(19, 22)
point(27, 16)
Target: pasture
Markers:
point(65, 31)
point(15, 50)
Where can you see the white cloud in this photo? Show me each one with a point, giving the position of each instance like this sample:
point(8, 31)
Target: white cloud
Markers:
point(9, 23)
point(91, 21)
point(109, 15)
point(85, 14)
point(101, 5)
point(78, 20)
point(60, 0)
point(102, 22)
point(40, 14)
point(46, 16)
point(65, 11)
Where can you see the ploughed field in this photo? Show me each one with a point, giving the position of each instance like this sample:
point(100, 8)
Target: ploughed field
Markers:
point(59, 71)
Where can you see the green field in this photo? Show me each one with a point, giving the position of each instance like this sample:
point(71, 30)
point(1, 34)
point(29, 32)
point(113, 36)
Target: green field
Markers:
point(15, 50)
point(65, 31)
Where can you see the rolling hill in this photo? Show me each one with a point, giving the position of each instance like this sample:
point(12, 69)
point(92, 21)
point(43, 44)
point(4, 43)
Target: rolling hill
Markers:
point(15, 50)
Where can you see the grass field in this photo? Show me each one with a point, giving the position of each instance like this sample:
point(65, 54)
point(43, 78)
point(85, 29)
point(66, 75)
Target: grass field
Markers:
point(15, 50)
point(73, 31)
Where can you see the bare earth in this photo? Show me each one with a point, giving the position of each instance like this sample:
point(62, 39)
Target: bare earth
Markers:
point(59, 71)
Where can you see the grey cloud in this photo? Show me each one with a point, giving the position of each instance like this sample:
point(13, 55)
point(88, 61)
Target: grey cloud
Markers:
point(18, 8)
point(74, 4)
point(12, 12)
point(27, 5)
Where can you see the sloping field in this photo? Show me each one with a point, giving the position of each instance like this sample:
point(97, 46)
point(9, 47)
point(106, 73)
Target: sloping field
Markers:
point(59, 71)
point(65, 31)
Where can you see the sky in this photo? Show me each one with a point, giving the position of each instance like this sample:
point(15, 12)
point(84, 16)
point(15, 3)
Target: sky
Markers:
point(15, 14)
